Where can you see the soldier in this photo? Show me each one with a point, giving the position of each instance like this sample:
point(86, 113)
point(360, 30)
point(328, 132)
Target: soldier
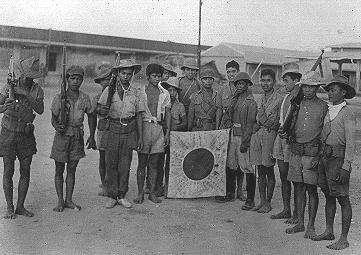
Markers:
point(281, 150)
point(264, 134)
point(178, 119)
point(188, 83)
point(103, 80)
point(205, 107)
point(305, 149)
point(17, 131)
point(168, 72)
point(123, 131)
point(243, 110)
point(157, 109)
point(68, 144)
point(339, 153)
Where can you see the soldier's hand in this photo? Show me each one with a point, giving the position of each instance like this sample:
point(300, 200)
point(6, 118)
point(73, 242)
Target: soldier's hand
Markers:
point(243, 148)
point(342, 176)
point(91, 144)
point(60, 129)
point(140, 145)
point(9, 103)
point(103, 110)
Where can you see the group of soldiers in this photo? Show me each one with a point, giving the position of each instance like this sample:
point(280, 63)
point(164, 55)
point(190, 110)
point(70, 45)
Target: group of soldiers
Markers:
point(317, 151)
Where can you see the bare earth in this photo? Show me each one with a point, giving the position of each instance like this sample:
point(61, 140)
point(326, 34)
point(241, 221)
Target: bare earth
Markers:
point(188, 226)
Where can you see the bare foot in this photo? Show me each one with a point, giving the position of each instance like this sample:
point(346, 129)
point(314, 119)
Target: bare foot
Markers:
point(10, 214)
point(292, 220)
point(59, 207)
point(154, 199)
point(265, 208)
point(339, 245)
point(139, 199)
point(310, 233)
point(324, 236)
point(256, 208)
point(282, 215)
point(72, 205)
point(295, 229)
point(24, 212)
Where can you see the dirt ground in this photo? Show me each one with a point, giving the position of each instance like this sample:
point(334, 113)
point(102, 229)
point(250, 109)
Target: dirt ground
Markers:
point(176, 226)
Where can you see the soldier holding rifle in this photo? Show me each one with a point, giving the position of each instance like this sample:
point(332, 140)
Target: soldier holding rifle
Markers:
point(18, 101)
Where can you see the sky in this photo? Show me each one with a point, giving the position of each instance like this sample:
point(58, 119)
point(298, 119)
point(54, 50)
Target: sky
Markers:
point(289, 24)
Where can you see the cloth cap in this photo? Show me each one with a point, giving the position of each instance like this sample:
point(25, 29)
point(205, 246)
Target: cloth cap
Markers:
point(190, 63)
point(343, 82)
point(242, 76)
point(291, 68)
point(206, 74)
point(170, 69)
point(75, 70)
point(128, 63)
point(171, 82)
point(311, 78)
point(29, 68)
point(104, 73)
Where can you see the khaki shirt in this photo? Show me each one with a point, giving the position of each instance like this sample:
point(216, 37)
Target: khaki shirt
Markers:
point(341, 131)
point(132, 103)
point(188, 88)
point(269, 111)
point(227, 92)
point(204, 109)
point(310, 120)
point(177, 112)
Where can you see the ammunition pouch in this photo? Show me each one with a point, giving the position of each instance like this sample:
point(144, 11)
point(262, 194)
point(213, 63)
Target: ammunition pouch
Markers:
point(17, 125)
point(330, 151)
point(310, 149)
point(129, 125)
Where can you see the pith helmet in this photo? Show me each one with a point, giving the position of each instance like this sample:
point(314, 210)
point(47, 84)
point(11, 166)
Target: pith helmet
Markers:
point(171, 82)
point(291, 68)
point(170, 69)
point(128, 63)
point(29, 68)
point(104, 73)
point(190, 63)
point(206, 74)
point(311, 78)
point(243, 76)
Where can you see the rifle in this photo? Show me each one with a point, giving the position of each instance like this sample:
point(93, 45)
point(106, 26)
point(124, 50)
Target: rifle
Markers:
point(113, 82)
point(11, 80)
point(64, 110)
point(292, 113)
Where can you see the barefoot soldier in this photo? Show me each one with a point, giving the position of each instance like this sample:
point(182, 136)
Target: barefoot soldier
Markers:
point(281, 150)
point(205, 109)
point(122, 130)
point(305, 150)
point(157, 105)
point(262, 141)
point(243, 110)
point(338, 154)
point(68, 144)
point(103, 80)
point(18, 101)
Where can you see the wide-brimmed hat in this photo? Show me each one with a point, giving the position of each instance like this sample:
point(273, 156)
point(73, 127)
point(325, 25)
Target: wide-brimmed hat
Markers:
point(128, 63)
point(171, 82)
point(170, 69)
point(29, 68)
point(75, 70)
point(242, 76)
point(190, 63)
point(291, 68)
point(104, 73)
point(206, 74)
point(311, 78)
point(343, 82)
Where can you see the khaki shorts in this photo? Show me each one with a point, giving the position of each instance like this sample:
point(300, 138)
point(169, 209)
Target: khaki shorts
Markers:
point(16, 144)
point(261, 148)
point(153, 138)
point(237, 159)
point(281, 149)
point(67, 148)
point(327, 171)
point(300, 169)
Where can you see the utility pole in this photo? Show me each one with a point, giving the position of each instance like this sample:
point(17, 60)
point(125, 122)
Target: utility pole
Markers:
point(199, 35)
point(48, 52)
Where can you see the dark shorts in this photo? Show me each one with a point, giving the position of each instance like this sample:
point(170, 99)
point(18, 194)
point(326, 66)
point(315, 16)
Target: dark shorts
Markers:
point(327, 171)
point(16, 144)
point(67, 148)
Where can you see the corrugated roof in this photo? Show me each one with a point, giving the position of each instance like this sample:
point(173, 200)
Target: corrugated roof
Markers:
point(346, 45)
point(94, 40)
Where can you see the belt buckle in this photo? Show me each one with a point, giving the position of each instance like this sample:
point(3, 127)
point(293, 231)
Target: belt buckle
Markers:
point(122, 123)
